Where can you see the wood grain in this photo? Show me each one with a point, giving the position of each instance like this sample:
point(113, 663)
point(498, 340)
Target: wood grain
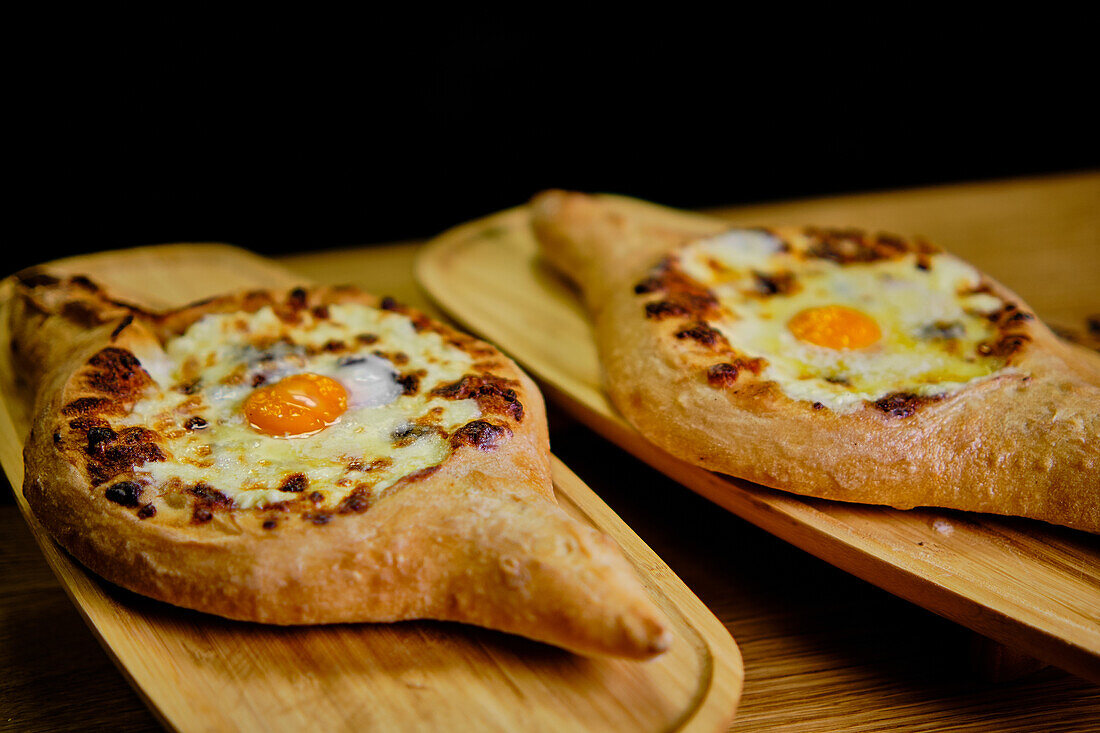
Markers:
point(1025, 584)
point(201, 672)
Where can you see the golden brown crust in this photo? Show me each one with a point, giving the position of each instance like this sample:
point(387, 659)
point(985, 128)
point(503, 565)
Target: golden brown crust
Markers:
point(1026, 442)
point(478, 539)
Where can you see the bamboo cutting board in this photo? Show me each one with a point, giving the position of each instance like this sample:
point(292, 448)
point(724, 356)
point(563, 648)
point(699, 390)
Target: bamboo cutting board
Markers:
point(1025, 584)
point(200, 672)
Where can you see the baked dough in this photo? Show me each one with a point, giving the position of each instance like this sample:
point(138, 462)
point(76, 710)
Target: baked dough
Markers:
point(699, 356)
point(475, 536)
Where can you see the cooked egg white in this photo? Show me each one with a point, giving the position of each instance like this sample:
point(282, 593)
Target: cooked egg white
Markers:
point(925, 330)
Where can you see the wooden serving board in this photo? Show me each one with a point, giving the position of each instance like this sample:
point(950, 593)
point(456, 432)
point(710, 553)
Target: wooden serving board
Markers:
point(200, 672)
point(1026, 584)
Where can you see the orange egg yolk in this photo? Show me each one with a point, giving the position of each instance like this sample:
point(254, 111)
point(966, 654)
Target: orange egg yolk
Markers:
point(296, 405)
point(835, 327)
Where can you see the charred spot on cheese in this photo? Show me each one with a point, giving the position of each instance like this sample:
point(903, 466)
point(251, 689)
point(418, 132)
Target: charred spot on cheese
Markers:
point(195, 423)
point(703, 333)
point(725, 374)
point(410, 381)
point(390, 304)
point(493, 394)
point(375, 465)
point(270, 523)
point(320, 312)
point(1010, 322)
point(480, 434)
point(409, 433)
point(722, 375)
point(849, 246)
point(147, 511)
point(356, 502)
point(208, 495)
point(903, 404)
point(1008, 315)
point(776, 283)
point(683, 296)
point(367, 338)
point(294, 483)
point(317, 497)
point(208, 500)
point(664, 309)
point(1005, 346)
point(318, 518)
point(124, 493)
point(843, 246)
point(297, 298)
point(397, 358)
point(421, 323)
point(136, 434)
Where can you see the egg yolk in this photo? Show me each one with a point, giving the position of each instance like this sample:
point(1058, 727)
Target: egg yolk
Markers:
point(296, 405)
point(835, 327)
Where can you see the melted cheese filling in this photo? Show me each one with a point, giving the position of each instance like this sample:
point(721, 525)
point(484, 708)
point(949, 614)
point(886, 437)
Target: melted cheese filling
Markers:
point(373, 444)
point(928, 325)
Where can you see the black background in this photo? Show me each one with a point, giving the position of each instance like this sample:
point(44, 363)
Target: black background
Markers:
point(289, 133)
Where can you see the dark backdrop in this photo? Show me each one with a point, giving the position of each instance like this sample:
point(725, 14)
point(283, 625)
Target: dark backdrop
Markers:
point(285, 135)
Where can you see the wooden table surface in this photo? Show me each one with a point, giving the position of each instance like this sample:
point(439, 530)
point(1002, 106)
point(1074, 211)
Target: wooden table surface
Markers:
point(823, 651)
